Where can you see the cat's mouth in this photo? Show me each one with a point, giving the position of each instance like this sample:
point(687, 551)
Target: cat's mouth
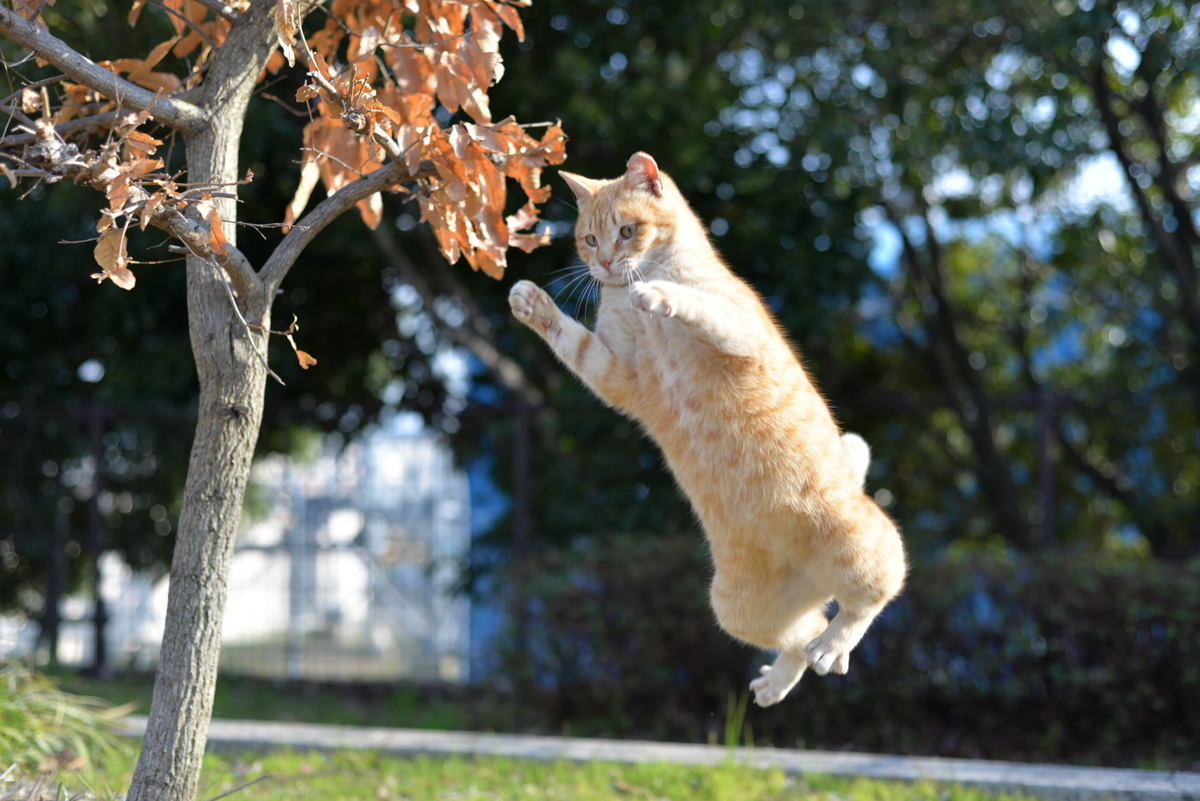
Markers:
point(621, 273)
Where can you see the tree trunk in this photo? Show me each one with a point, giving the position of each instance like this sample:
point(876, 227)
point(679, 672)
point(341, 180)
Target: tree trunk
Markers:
point(232, 383)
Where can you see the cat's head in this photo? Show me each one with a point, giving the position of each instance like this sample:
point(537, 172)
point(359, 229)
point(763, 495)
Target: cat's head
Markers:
point(625, 224)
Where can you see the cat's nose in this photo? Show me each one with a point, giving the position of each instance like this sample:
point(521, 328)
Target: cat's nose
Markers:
point(605, 262)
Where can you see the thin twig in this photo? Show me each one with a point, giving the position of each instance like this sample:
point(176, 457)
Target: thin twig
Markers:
point(34, 85)
point(221, 9)
point(249, 333)
point(64, 129)
point(188, 22)
point(324, 155)
point(241, 787)
point(283, 103)
point(427, 45)
point(171, 111)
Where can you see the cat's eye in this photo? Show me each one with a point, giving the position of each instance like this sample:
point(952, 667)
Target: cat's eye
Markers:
point(626, 231)
point(591, 240)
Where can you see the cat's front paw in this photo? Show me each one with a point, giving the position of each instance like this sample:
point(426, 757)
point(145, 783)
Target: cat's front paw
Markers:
point(531, 305)
point(653, 297)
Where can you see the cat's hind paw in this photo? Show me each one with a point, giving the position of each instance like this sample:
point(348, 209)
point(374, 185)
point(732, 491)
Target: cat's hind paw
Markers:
point(531, 305)
point(826, 658)
point(775, 681)
point(652, 297)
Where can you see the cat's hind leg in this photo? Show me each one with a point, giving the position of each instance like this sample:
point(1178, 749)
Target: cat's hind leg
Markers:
point(773, 610)
point(869, 567)
point(778, 679)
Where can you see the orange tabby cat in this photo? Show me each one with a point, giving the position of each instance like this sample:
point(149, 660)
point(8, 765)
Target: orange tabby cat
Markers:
point(688, 349)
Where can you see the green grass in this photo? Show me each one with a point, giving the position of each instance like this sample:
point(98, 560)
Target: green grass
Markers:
point(261, 699)
point(40, 724)
point(351, 775)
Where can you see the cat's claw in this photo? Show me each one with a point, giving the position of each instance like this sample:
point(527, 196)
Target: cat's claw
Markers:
point(650, 296)
point(531, 305)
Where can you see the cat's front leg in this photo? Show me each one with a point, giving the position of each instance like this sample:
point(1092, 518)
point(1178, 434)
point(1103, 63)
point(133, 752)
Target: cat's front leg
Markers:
point(531, 305)
point(712, 318)
point(575, 346)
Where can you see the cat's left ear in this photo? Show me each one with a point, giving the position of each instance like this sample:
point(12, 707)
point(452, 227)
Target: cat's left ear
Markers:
point(642, 171)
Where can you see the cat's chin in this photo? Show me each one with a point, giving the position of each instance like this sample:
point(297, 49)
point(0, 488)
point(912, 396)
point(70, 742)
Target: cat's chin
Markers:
point(613, 281)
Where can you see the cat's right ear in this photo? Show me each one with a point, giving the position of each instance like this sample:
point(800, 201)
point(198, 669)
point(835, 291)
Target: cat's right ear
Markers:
point(583, 188)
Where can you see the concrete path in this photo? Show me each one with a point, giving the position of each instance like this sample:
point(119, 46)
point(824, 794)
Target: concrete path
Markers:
point(1044, 781)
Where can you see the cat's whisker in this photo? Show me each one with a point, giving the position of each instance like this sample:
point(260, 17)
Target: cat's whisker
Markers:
point(595, 289)
point(564, 281)
point(570, 268)
point(583, 288)
point(571, 286)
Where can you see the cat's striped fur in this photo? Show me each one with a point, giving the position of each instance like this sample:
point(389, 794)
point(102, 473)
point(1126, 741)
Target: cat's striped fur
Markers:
point(689, 350)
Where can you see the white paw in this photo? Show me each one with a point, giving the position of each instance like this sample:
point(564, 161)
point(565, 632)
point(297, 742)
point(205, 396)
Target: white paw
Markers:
point(652, 297)
point(826, 657)
point(772, 687)
point(532, 306)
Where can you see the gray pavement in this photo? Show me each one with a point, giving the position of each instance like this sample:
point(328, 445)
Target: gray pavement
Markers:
point(1045, 781)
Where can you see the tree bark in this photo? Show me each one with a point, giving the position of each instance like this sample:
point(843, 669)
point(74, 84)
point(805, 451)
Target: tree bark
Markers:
point(232, 383)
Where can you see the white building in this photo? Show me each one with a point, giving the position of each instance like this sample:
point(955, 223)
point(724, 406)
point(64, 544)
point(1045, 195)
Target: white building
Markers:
point(350, 574)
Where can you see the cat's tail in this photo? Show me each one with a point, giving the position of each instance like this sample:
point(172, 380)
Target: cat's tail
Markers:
point(860, 455)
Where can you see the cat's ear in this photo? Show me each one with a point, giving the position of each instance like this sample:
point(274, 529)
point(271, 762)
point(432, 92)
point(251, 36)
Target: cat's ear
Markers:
point(642, 171)
point(583, 188)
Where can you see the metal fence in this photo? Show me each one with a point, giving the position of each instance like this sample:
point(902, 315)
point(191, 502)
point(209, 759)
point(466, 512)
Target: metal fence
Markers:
point(347, 572)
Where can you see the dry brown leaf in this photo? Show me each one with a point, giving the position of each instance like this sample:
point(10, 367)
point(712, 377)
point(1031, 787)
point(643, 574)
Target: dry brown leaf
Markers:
point(142, 142)
point(123, 277)
point(149, 209)
point(216, 233)
point(31, 100)
point(306, 360)
point(285, 29)
point(118, 191)
point(135, 12)
point(309, 175)
point(176, 20)
point(510, 16)
point(371, 210)
point(159, 52)
point(111, 255)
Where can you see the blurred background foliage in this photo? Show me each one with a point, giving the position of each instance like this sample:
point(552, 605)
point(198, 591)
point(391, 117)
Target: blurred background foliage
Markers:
point(977, 219)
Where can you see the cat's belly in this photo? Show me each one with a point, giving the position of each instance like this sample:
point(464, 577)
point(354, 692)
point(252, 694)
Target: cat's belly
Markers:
point(758, 480)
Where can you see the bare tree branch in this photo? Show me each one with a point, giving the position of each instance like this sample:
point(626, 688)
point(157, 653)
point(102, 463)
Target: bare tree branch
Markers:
point(67, 128)
point(965, 391)
point(196, 237)
point(286, 252)
point(1179, 261)
point(56, 159)
point(169, 111)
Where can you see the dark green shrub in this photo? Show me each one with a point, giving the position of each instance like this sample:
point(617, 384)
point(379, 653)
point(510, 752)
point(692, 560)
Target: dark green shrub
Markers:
point(1046, 658)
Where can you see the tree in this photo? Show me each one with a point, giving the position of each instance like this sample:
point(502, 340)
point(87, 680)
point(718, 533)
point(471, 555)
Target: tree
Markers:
point(398, 97)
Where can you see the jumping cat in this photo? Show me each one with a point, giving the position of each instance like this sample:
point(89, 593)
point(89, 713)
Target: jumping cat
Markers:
point(688, 349)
